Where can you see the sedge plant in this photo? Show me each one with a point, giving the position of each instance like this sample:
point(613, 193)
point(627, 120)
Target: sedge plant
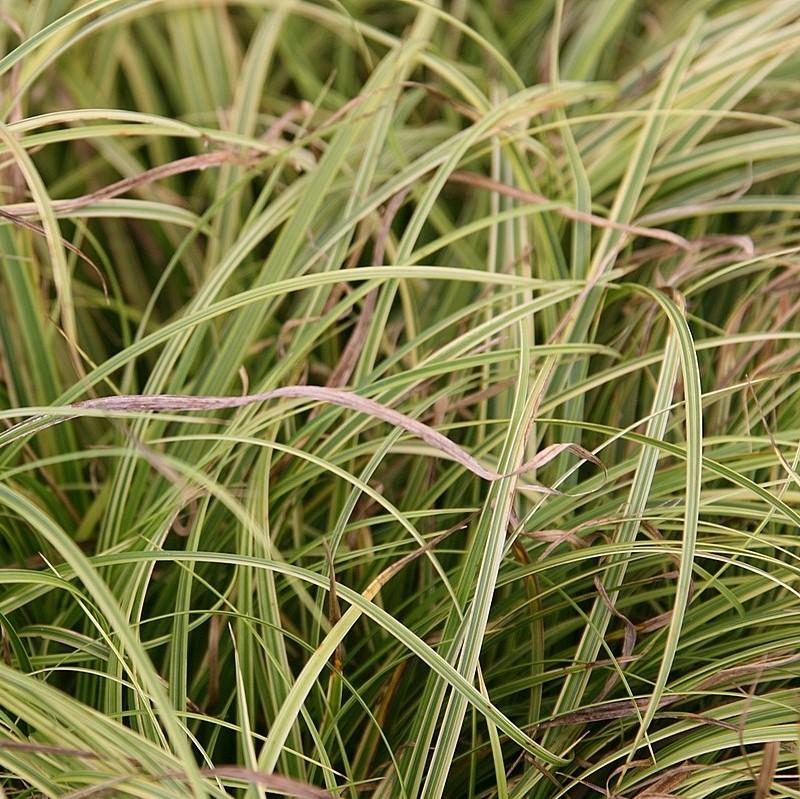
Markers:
point(399, 399)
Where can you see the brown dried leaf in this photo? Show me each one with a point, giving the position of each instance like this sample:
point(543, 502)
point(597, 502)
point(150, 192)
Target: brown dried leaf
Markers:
point(273, 782)
point(629, 641)
point(39, 230)
point(345, 399)
point(607, 711)
point(481, 181)
point(347, 363)
point(769, 765)
point(663, 785)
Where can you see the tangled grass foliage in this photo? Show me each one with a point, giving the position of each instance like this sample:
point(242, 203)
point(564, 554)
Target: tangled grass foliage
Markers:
point(400, 399)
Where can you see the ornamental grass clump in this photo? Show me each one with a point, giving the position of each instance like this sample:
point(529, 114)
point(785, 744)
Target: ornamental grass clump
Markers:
point(399, 399)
